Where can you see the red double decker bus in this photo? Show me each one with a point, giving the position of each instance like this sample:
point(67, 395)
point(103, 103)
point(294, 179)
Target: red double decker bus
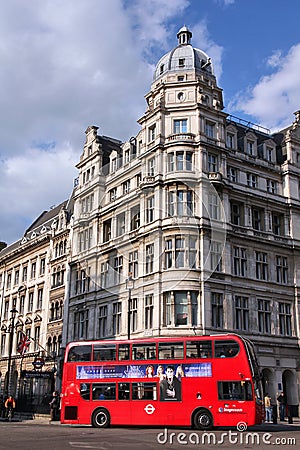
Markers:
point(195, 381)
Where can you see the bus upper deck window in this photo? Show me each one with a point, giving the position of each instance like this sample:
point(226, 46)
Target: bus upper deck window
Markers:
point(80, 353)
point(226, 349)
point(170, 350)
point(198, 349)
point(105, 352)
point(124, 352)
point(143, 351)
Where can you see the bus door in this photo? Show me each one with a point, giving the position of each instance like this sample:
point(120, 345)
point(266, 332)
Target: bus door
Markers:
point(145, 405)
point(235, 401)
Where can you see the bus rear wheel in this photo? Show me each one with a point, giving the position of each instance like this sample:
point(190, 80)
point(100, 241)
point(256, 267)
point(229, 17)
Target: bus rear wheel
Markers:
point(203, 420)
point(101, 418)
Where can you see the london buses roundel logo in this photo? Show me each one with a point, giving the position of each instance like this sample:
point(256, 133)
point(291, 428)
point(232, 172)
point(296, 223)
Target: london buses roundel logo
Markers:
point(149, 409)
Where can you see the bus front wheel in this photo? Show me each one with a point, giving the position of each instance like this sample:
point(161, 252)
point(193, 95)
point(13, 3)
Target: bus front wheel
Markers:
point(203, 420)
point(101, 418)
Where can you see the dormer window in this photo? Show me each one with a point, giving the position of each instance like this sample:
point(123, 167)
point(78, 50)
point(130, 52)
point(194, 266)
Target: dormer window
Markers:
point(269, 154)
point(162, 68)
point(250, 148)
point(181, 62)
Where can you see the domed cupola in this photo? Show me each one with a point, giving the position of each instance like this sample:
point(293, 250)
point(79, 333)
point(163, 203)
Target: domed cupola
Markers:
point(183, 58)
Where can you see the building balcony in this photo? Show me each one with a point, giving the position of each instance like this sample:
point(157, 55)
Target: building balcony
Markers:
point(215, 177)
point(180, 137)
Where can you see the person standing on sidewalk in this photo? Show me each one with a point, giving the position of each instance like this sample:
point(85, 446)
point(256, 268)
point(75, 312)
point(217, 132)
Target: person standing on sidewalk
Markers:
point(282, 405)
point(268, 408)
point(54, 406)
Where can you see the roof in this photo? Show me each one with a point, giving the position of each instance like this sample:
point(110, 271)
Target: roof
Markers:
point(183, 57)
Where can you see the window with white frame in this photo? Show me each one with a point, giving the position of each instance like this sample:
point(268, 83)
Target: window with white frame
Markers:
point(102, 328)
point(216, 256)
point(149, 258)
point(180, 202)
point(126, 187)
point(271, 186)
point(150, 209)
point(118, 269)
point(214, 206)
point(37, 332)
point(104, 274)
point(210, 129)
point(116, 318)
point(120, 224)
point(87, 203)
point(180, 308)
point(239, 261)
point(261, 261)
point(113, 164)
point(33, 270)
point(258, 219)
point(134, 314)
point(251, 180)
point(81, 321)
point(127, 156)
point(30, 301)
point(232, 174)
point(250, 147)
point(152, 133)
point(277, 223)
point(17, 277)
point(217, 312)
point(180, 251)
point(149, 306)
point(85, 239)
point(212, 162)
point(22, 304)
point(264, 316)
point(285, 319)
point(237, 213)
point(6, 308)
point(113, 194)
point(151, 167)
point(241, 313)
point(179, 161)
point(135, 218)
point(107, 230)
point(82, 282)
point(42, 266)
point(180, 126)
point(230, 140)
point(24, 273)
point(269, 154)
point(281, 269)
point(133, 264)
point(40, 298)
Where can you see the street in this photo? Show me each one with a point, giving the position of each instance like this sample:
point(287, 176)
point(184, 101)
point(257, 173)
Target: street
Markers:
point(38, 435)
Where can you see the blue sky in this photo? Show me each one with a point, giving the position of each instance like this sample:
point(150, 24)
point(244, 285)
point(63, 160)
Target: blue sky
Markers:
point(67, 65)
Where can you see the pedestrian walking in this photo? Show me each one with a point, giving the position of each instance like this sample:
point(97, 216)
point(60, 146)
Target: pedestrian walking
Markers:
point(54, 406)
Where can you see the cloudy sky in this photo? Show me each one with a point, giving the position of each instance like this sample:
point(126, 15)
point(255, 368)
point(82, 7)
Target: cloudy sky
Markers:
point(67, 64)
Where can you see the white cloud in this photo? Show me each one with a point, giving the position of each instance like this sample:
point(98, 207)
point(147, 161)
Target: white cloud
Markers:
point(64, 66)
point(31, 183)
point(275, 97)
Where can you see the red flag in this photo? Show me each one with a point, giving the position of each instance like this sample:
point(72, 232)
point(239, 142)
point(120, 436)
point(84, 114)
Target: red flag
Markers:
point(23, 344)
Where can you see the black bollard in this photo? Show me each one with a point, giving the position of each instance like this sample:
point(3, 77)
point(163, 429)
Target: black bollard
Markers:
point(274, 414)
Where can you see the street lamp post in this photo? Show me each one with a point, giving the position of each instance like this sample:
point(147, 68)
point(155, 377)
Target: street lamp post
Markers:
point(129, 286)
point(10, 346)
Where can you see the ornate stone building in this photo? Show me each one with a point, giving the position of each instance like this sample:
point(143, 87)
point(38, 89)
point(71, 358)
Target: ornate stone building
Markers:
point(32, 282)
point(191, 227)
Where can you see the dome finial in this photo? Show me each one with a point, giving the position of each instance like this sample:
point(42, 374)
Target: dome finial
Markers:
point(184, 36)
